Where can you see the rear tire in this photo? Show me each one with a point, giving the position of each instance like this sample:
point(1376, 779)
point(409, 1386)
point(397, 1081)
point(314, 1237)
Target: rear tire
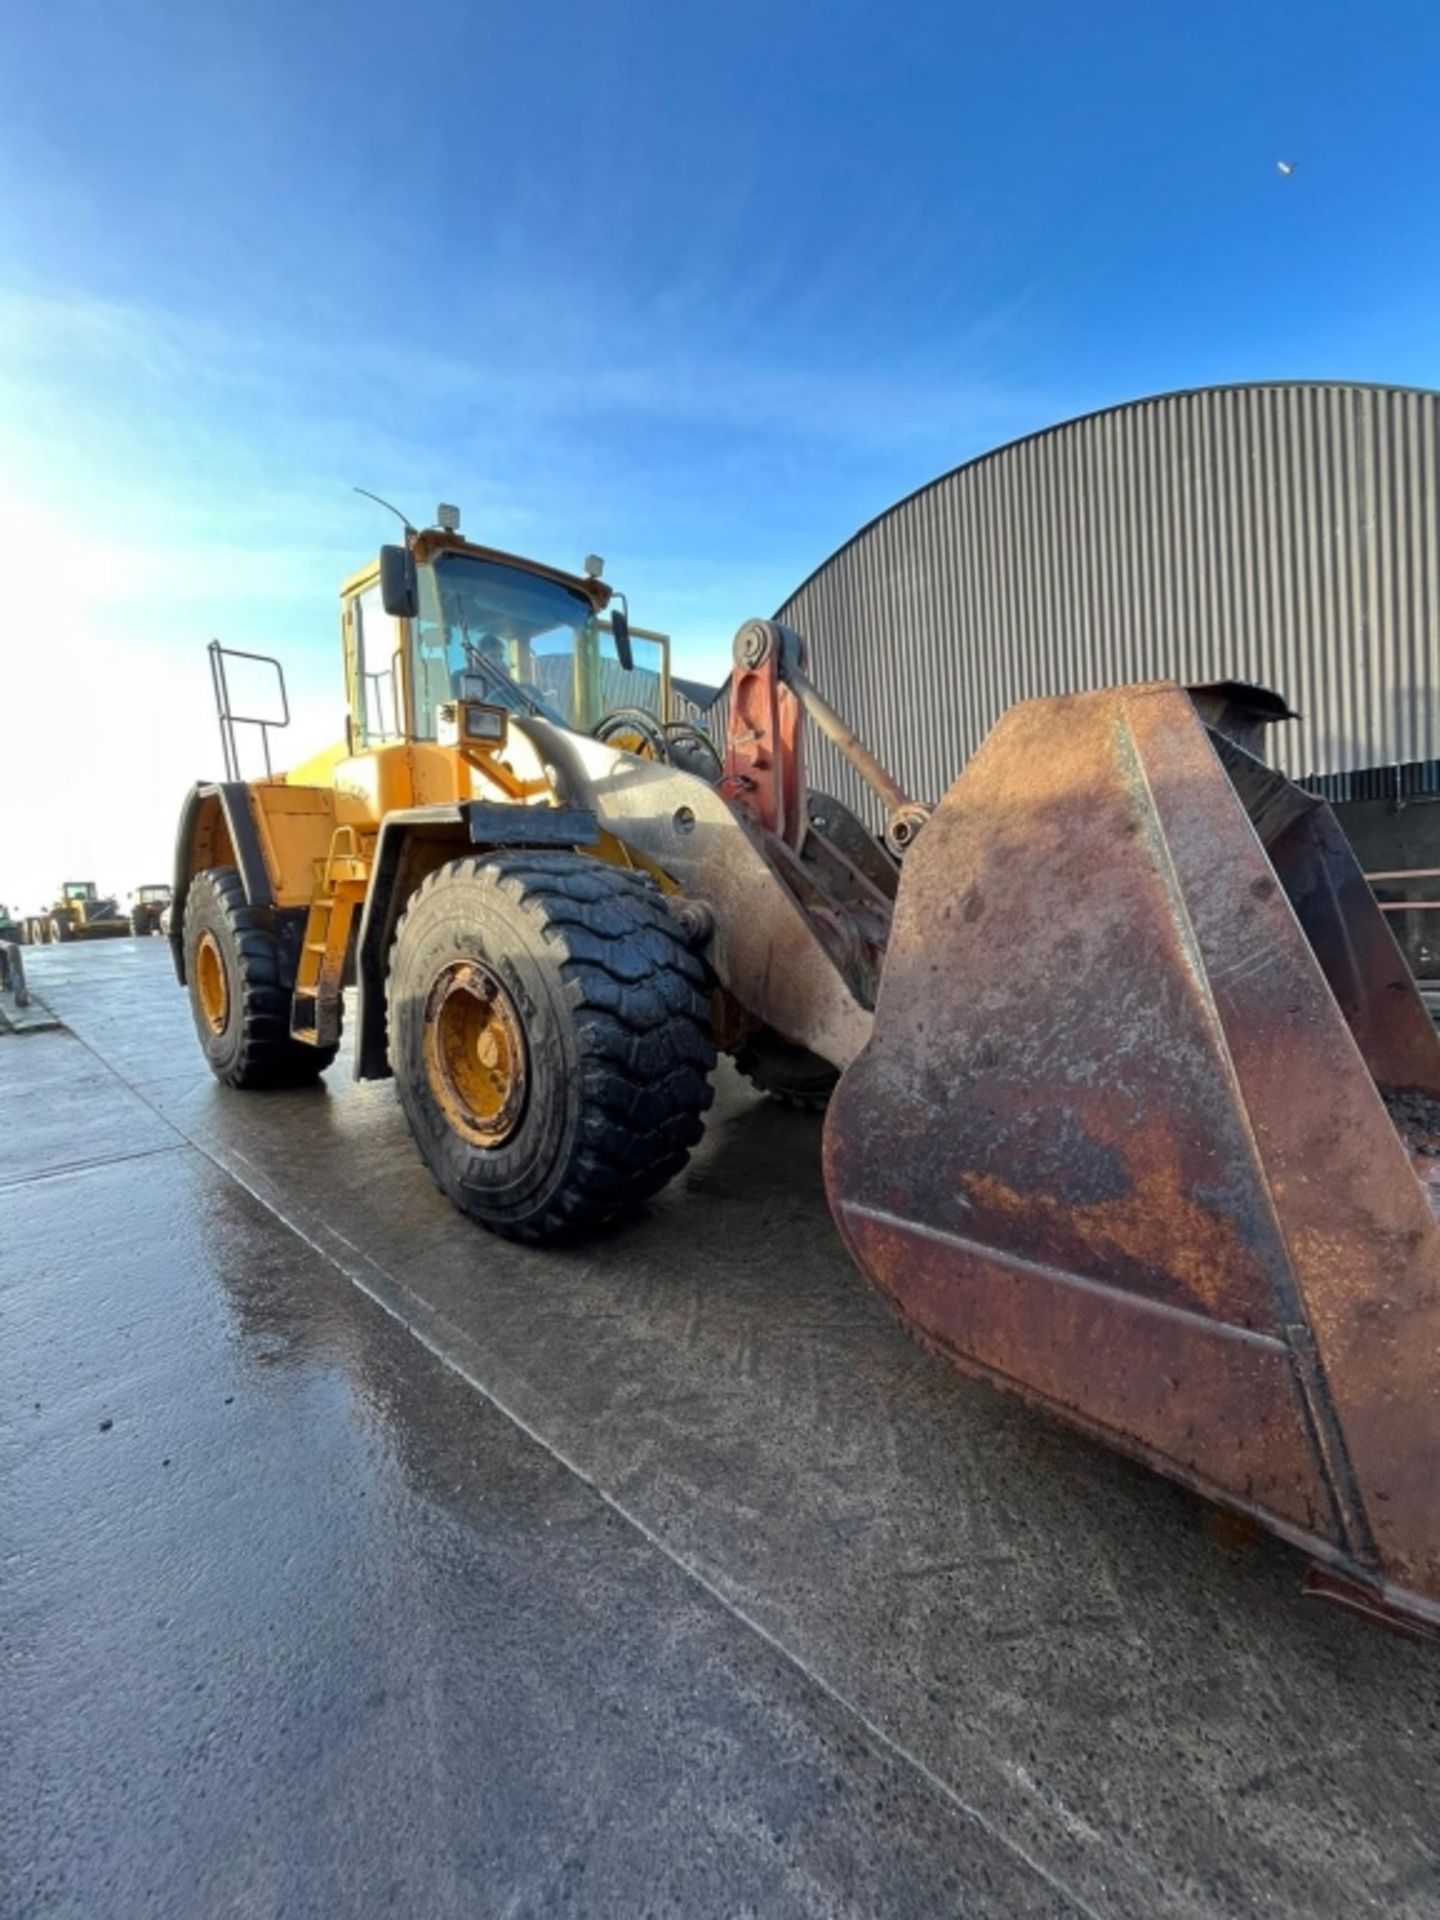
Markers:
point(239, 1004)
point(549, 1034)
point(790, 1075)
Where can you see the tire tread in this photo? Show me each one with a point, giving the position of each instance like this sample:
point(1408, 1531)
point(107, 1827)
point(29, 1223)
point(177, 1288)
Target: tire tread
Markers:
point(640, 1005)
point(268, 1055)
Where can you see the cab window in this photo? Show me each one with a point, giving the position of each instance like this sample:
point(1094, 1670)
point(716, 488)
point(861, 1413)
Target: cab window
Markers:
point(539, 643)
point(377, 669)
point(643, 685)
point(521, 632)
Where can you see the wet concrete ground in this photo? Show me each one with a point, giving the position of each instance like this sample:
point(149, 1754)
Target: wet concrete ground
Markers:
point(357, 1563)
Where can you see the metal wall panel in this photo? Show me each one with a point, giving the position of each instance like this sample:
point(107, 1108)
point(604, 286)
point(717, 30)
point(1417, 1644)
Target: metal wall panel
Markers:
point(1285, 534)
point(682, 707)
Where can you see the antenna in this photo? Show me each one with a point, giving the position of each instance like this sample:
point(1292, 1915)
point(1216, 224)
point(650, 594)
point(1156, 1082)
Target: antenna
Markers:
point(388, 508)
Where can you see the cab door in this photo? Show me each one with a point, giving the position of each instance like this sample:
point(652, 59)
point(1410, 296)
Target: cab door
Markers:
point(375, 675)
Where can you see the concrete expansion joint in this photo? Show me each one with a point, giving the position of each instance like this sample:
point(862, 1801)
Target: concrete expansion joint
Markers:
point(8, 1181)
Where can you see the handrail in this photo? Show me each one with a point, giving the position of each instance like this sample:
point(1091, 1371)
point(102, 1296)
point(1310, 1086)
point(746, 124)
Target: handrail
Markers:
point(348, 836)
point(228, 720)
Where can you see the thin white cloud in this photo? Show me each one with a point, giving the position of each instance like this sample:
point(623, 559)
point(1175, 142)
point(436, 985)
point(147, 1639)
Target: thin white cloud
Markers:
point(170, 478)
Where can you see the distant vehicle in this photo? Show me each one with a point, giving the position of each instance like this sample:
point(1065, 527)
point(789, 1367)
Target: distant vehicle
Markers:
point(79, 912)
point(147, 905)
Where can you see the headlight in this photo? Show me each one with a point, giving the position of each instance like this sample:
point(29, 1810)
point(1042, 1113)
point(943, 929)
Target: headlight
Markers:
point(485, 723)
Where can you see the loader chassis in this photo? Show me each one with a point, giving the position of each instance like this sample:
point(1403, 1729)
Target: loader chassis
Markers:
point(1137, 1104)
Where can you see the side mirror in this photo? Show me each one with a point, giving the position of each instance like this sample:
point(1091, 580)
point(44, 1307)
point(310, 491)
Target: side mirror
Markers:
point(399, 594)
point(620, 628)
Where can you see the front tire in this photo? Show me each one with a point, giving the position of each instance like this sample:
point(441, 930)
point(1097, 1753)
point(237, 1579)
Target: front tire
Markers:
point(790, 1075)
point(549, 1034)
point(238, 1001)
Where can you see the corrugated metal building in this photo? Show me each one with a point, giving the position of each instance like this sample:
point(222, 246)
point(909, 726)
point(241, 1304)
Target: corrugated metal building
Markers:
point(1285, 533)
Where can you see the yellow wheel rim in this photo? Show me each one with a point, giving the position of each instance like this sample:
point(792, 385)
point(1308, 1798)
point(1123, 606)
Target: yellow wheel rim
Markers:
point(475, 1053)
point(632, 742)
point(211, 983)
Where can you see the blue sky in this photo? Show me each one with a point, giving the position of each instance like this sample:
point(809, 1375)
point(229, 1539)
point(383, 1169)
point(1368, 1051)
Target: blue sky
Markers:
point(700, 288)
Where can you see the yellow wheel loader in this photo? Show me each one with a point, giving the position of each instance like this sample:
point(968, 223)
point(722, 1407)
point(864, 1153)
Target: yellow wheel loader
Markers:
point(1134, 1103)
point(78, 912)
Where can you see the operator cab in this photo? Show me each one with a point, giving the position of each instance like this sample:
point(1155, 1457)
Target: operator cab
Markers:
point(542, 641)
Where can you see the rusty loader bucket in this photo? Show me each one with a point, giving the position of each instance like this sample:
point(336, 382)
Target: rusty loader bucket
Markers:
point(1144, 1129)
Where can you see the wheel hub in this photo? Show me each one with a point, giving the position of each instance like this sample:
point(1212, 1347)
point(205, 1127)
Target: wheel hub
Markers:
point(211, 983)
point(475, 1053)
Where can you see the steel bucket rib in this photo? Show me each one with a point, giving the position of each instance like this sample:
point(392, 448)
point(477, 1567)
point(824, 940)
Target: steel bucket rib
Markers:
point(1114, 1142)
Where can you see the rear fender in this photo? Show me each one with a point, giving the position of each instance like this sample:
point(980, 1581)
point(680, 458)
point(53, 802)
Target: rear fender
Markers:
point(217, 829)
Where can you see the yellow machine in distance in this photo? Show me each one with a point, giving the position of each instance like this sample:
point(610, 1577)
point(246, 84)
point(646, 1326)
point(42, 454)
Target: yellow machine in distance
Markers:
point(78, 912)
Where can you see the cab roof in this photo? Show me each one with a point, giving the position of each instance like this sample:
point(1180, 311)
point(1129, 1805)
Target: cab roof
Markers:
point(435, 540)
